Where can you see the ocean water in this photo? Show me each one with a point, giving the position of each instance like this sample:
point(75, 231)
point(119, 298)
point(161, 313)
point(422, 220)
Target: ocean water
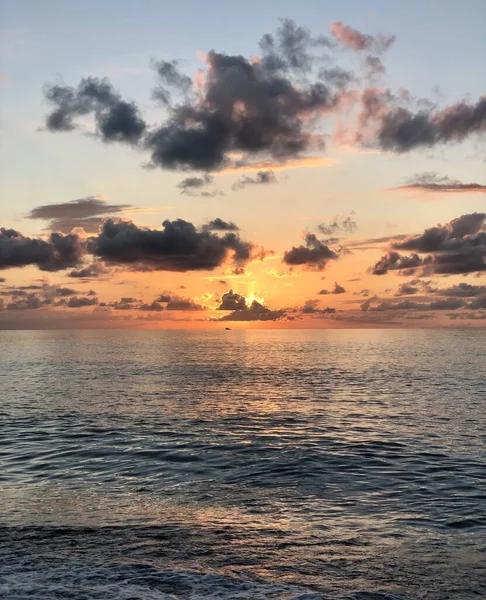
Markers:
point(297, 465)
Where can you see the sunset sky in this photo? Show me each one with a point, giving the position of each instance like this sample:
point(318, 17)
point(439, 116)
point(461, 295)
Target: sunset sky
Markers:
point(258, 164)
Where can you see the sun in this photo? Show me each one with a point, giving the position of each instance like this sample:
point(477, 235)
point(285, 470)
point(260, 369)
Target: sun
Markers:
point(251, 297)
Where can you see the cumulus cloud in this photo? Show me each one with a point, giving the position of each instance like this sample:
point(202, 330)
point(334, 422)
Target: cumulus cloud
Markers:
point(314, 254)
point(194, 186)
point(169, 77)
point(232, 301)
point(432, 182)
point(458, 247)
point(82, 301)
point(261, 178)
point(55, 253)
point(220, 225)
point(311, 307)
point(386, 122)
point(87, 213)
point(178, 246)
point(91, 271)
point(116, 120)
point(338, 289)
point(254, 312)
point(250, 106)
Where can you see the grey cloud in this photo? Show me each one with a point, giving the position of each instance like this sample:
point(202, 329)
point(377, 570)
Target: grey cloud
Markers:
point(81, 301)
point(384, 123)
point(116, 119)
point(463, 290)
point(232, 301)
point(220, 225)
point(183, 304)
point(261, 178)
point(432, 182)
point(169, 76)
point(87, 213)
point(179, 246)
point(152, 307)
point(56, 253)
point(338, 289)
point(337, 224)
point(254, 312)
point(91, 271)
point(314, 254)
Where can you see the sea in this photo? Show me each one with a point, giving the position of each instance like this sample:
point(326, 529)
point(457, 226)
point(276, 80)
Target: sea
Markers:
point(245, 465)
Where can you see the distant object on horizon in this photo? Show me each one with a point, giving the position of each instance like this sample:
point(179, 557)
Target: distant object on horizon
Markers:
point(227, 328)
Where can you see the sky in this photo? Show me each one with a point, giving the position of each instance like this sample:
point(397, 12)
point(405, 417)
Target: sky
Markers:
point(208, 165)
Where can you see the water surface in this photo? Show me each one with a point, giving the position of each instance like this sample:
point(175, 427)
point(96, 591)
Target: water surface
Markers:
point(232, 464)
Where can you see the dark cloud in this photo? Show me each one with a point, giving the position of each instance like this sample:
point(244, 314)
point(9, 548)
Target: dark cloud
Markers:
point(193, 186)
point(91, 271)
point(29, 302)
point(311, 307)
point(463, 290)
point(336, 76)
point(314, 254)
point(338, 289)
point(432, 182)
point(373, 304)
point(115, 119)
point(179, 246)
point(407, 289)
point(220, 225)
point(374, 65)
point(232, 301)
point(56, 253)
point(458, 247)
point(152, 307)
point(355, 40)
point(169, 76)
point(87, 213)
point(338, 224)
point(82, 301)
point(261, 178)
point(163, 298)
point(183, 304)
point(254, 107)
point(386, 124)
point(254, 312)
point(2, 280)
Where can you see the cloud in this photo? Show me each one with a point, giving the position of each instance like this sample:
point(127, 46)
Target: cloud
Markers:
point(311, 308)
point(314, 254)
point(261, 178)
point(169, 76)
point(152, 307)
point(232, 301)
point(386, 124)
point(458, 247)
point(434, 183)
point(440, 305)
point(179, 246)
point(192, 186)
point(254, 312)
point(463, 290)
point(56, 253)
point(184, 304)
point(116, 120)
point(338, 289)
point(355, 40)
point(259, 106)
point(82, 301)
point(220, 225)
point(87, 213)
point(337, 224)
point(91, 271)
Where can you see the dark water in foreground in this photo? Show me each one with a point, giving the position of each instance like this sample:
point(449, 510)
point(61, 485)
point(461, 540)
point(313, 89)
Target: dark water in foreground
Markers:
point(243, 465)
